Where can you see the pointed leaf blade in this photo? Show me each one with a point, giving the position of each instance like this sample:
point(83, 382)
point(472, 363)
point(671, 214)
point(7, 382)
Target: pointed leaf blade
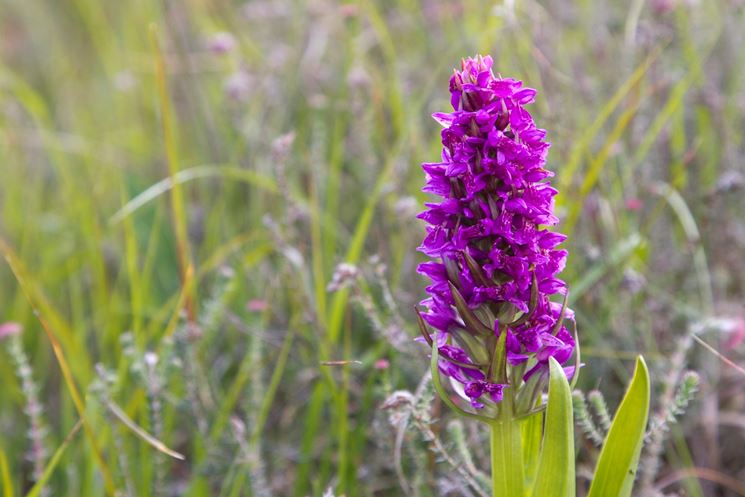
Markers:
point(616, 469)
point(556, 465)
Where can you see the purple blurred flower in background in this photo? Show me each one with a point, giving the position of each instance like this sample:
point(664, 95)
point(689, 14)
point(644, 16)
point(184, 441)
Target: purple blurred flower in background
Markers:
point(494, 263)
point(221, 43)
point(10, 329)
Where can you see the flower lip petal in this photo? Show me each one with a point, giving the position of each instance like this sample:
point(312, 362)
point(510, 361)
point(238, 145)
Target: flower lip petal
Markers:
point(443, 118)
point(525, 96)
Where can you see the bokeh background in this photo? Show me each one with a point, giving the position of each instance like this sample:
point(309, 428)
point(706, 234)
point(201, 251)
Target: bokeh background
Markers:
point(181, 180)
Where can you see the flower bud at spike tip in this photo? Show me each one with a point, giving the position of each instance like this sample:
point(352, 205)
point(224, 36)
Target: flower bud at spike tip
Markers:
point(493, 264)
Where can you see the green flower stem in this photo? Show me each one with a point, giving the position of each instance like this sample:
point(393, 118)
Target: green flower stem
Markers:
point(508, 479)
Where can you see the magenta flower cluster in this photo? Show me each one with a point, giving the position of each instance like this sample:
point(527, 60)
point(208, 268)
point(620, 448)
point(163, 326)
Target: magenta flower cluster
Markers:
point(494, 263)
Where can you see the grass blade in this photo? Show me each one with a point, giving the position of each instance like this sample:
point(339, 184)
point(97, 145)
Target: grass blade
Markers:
point(583, 143)
point(225, 171)
point(618, 254)
point(141, 433)
point(596, 166)
point(5, 474)
point(72, 388)
point(36, 489)
point(177, 196)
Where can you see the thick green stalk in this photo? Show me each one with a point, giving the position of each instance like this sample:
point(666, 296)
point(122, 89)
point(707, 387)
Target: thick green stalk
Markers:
point(508, 479)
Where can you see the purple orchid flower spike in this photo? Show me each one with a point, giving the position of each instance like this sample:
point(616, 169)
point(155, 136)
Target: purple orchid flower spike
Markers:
point(494, 263)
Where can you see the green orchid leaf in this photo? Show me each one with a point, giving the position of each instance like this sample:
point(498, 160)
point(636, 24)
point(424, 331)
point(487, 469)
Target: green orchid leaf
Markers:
point(532, 436)
point(616, 469)
point(555, 476)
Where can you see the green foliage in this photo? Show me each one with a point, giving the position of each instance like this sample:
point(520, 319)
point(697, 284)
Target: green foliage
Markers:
point(5, 473)
point(584, 418)
point(38, 487)
point(556, 467)
point(552, 442)
point(532, 437)
point(616, 469)
point(506, 454)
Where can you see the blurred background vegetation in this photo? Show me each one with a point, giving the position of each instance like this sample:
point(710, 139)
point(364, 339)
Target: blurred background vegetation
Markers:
point(180, 182)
